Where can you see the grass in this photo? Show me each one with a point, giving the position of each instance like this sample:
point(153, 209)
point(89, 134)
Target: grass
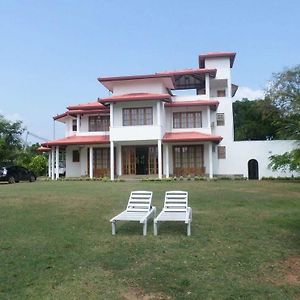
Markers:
point(56, 242)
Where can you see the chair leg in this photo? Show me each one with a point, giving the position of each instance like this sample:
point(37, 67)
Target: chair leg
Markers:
point(145, 228)
point(189, 229)
point(155, 227)
point(113, 227)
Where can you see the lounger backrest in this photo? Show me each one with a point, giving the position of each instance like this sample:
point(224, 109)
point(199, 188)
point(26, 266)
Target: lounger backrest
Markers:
point(139, 201)
point(176, 201)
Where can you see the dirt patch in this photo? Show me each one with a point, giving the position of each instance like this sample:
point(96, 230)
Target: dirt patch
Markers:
point(290, 270)
point(138, 294)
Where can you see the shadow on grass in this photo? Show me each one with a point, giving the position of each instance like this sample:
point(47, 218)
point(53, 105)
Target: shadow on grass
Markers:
point(164, 228)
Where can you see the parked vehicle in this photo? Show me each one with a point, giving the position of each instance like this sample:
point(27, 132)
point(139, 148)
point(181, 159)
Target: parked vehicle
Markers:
point(14, 174)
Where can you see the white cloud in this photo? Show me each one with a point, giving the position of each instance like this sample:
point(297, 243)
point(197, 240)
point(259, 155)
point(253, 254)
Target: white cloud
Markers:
point(246, 92)
point(11, 117)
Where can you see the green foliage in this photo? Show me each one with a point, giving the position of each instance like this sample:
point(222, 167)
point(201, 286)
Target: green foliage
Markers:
point(288, 161)
point(284, 93)
point(10, 140)
point(38, 165)
point(255, 120)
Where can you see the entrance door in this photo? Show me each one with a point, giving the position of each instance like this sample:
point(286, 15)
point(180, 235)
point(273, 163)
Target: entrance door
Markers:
point(253, 169)
point(141, 160)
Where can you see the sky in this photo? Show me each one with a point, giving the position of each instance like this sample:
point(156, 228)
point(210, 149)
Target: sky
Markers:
point(52, 52)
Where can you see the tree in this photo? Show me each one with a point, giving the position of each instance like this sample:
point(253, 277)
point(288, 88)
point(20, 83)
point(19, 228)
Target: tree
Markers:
point(255, 120)
point(38, 165)
point(10, 140)
point(284, 93)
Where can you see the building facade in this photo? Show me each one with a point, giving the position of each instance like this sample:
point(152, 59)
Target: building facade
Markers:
point(176, 123)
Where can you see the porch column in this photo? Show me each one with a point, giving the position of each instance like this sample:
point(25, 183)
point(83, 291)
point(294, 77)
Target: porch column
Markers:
point(57, 162)
point(112, 165)
point(207, 85)
point(159, 159)
point(210, 162)
point(91, 162)
point(167, 171)
point(49, 163)
point(119, 160)
point(52, 162)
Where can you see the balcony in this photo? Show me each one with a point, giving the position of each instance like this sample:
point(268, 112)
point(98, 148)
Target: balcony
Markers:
point(135, 133)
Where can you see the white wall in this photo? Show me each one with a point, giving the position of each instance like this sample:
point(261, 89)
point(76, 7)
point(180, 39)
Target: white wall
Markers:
point(239, 153)
point(154, 86)
point(222, 64)
point(76, 169)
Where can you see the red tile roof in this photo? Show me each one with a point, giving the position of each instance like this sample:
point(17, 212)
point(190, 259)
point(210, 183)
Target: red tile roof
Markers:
point(87, 106)
point(43, 149)
point(214, 103)
point(78, 140)
point(202, 57)
point(191, 136)
point(81, 112)
point(135, 97)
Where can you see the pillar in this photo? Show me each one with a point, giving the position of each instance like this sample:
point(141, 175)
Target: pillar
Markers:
point(159, 159)
point(208, 119)
point(49, 163)
point(210, 162)
point(57, 163)
point(167, 171)
point(91, 157)
point(112, 165)
point(78, 123)
point(52, 162)
point(207, 86)
point(119, 160)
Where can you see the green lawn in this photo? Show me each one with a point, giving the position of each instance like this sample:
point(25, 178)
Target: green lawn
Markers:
point(56, 242)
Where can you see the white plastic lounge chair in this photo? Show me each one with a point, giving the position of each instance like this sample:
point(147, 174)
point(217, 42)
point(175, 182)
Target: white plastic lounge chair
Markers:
point(138, 209)
point(175, 209)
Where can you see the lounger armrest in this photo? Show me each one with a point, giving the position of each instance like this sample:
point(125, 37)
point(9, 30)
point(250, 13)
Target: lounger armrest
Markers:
point(115, 218)
point(151, 211)
point(157, 218)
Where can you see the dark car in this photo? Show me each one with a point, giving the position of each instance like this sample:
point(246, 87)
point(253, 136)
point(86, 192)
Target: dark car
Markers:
point(14, 174)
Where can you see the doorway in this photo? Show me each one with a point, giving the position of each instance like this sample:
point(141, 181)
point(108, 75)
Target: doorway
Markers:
point(141, 160)
point(253, 169)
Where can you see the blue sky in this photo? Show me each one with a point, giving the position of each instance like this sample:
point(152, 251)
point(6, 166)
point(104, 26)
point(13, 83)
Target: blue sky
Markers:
point(51, 52)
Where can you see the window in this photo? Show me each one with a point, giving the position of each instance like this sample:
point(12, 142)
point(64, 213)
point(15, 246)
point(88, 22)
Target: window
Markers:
point(220, 119)
point(76, 156)
point(188, 160)
point(99, 123)
point(102, 158)
point(74, 125)
point(137, 116)
point(187, 120)
point(221, 93)
point(221, 152)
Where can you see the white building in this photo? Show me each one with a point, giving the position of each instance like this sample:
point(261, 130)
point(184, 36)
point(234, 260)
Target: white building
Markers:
point(149, 127)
